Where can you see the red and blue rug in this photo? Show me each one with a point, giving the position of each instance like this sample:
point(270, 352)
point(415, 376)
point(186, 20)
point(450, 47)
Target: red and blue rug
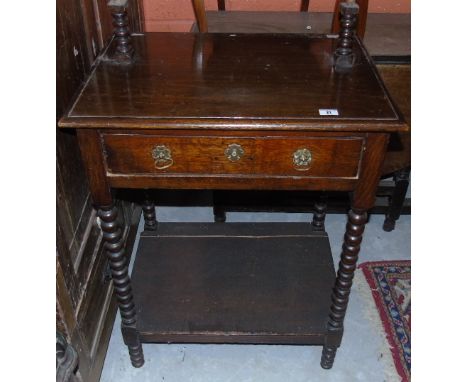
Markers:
point(390, 283)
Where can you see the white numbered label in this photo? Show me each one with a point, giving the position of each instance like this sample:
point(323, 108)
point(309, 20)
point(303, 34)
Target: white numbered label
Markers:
point(328, 112)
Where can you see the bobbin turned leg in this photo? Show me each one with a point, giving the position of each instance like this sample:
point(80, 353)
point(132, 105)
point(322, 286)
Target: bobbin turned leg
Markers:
point(344, 57)
point(320, 210)
point(340, 295)
point(149, 213)
point(114, 248)
point(124, 51)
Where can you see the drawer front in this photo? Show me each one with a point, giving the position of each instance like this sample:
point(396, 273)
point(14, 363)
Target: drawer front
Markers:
point(247, 156)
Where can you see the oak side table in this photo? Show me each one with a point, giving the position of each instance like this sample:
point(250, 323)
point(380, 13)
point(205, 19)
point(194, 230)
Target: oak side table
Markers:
point(233, 111)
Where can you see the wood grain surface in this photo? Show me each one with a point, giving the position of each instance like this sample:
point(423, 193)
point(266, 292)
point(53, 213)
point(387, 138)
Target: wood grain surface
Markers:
point(233, 283)
point(194, 154)
point(234, 81)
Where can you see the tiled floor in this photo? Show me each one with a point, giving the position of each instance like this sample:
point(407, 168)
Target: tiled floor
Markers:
point(363, 355)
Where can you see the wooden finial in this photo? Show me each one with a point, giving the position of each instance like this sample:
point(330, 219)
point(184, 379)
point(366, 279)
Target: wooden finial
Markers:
point(123, 49)
point(344, 57)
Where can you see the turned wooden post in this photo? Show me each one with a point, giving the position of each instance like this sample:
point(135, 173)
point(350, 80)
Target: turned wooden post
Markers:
point(114, 248)
point(320, 211)
point(93, 159)
point(344, 57)
point(344, 280)
point(149, 213)
point(124, 51)
point(363, 200)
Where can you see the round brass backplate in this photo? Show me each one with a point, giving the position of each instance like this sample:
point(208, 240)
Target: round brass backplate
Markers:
point(234, 152)
point(302, 159)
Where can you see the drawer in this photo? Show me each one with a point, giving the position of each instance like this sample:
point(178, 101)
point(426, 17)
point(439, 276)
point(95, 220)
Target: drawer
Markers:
point(229, 155)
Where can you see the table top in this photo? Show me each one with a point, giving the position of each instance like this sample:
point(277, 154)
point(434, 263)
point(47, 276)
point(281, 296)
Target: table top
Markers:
point(241, 81)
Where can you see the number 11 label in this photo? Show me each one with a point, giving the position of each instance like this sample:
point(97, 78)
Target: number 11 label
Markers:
point(328, 112)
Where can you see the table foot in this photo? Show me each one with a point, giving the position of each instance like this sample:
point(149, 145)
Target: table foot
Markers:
point(136, 355)
point(328, 356)
point(389, 224)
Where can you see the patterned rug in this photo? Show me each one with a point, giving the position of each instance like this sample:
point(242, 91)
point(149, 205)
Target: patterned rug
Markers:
point(390, 283)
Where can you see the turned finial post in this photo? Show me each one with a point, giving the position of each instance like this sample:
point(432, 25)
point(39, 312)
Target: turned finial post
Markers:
point(123, 48)
point(344, 57)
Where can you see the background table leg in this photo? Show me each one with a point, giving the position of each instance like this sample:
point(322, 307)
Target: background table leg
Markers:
point(401, 179)
point(320, 210)
point(149, 213)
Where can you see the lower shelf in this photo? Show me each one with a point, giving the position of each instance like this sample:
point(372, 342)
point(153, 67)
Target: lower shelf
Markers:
point(265, 283)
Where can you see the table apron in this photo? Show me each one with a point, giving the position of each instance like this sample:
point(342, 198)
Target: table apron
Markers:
point(222, 182)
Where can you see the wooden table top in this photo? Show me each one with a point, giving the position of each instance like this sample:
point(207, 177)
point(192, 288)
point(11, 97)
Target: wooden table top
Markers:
point(241, 81)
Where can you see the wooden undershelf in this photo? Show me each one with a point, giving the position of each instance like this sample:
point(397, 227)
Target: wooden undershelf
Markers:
point(264, 283)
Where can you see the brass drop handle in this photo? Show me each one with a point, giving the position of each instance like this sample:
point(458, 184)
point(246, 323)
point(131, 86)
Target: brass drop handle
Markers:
point(302, 158)
point(162, 157)
point(234, 152)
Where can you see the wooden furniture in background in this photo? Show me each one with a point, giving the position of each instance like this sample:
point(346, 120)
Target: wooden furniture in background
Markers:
point(397, 161)
point(85, 309)
point(216, 111)
point(304, 5)
point(270, 22)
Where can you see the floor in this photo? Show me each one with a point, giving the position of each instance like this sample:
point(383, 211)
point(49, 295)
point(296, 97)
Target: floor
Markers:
point(363, 355)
